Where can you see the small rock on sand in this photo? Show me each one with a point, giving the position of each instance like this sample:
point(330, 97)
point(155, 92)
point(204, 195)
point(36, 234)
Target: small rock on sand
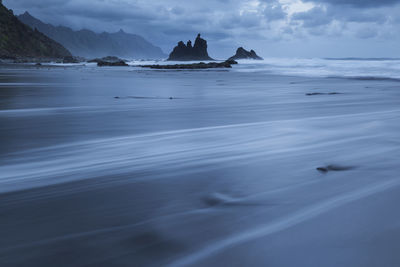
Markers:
point(334, 168)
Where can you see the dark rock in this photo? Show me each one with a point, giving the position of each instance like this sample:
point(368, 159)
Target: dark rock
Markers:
point(231, 61)
point(339, 168)
point(109, 61)
point(120, 63)
point(322, 169)
point(189, 44)
point(188, 52)
point(201, 65)
point(334, 168)
point(242, 53)
point(217, 199)
point(106, 59)
point(312, 94)
point(7, 57)
point(70, 59)
point(146, 97)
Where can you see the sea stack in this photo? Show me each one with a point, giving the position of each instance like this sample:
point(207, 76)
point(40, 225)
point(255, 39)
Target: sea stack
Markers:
point(188, 52)
point(242, 53)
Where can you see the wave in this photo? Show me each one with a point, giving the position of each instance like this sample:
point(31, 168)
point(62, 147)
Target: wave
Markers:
point(363, 58)
point(366, 69)
point(351, 67)
point(377, 78)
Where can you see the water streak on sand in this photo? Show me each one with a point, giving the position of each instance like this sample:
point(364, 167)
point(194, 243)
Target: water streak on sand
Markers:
point(115, 181)
point(301, 216)
point(85, 160)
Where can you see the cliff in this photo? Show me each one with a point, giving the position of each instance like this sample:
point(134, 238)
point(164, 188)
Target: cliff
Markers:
point(20, 41)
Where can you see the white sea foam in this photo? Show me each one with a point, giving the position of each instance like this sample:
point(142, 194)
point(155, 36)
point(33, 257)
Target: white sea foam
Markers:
point(313, 67)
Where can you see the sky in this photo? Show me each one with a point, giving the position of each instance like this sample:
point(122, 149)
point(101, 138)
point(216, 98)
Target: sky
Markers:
point(273, 28)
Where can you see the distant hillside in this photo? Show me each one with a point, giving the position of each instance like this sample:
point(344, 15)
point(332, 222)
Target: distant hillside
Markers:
point(86, 43)
point(18, 40)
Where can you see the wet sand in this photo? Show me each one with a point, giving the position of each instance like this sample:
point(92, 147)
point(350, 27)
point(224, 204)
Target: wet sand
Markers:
point(223, 175)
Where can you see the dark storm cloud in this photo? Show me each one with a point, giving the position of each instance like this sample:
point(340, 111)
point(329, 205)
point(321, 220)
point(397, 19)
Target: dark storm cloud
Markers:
point(316, 16)
point(163, 22)
point(226, 24)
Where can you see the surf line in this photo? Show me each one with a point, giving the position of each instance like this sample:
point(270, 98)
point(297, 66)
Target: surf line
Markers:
point(284, 223)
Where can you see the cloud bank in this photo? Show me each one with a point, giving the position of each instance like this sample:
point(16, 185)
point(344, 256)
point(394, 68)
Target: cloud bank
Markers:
point(303, 28)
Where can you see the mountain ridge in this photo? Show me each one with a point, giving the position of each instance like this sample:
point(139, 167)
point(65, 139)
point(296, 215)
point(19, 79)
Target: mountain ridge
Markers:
point(89, 44)
point(19, 41)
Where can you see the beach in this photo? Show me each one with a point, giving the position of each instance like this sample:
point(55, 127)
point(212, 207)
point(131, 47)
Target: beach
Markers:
point(277, 163)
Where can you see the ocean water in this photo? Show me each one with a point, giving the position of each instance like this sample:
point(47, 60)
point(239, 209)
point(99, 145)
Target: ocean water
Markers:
point(127, 166)
point(378, 68)
point(355, 68)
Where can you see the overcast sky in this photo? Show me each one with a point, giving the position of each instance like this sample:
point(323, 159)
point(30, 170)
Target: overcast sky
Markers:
point(274, 28)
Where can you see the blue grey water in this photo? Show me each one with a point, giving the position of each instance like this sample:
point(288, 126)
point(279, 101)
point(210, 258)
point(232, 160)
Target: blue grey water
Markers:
point(136, 167)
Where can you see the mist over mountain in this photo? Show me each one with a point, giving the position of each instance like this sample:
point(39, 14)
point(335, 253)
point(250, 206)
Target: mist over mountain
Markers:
point(18, 40)
point(86, 43)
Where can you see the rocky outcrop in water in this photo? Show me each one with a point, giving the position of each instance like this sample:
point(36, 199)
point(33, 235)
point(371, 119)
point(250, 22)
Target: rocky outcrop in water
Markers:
point(194, 66)
point(71, 59)
point(109, 61)
point(242, 53)
point(112, 64)
point(187, 52)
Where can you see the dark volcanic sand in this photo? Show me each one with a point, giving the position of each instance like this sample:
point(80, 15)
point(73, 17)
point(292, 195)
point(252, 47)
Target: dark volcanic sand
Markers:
point(224, 174)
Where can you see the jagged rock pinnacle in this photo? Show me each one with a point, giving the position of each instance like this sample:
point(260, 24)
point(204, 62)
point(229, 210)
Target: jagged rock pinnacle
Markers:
point(242, 53)
point(188, 52)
